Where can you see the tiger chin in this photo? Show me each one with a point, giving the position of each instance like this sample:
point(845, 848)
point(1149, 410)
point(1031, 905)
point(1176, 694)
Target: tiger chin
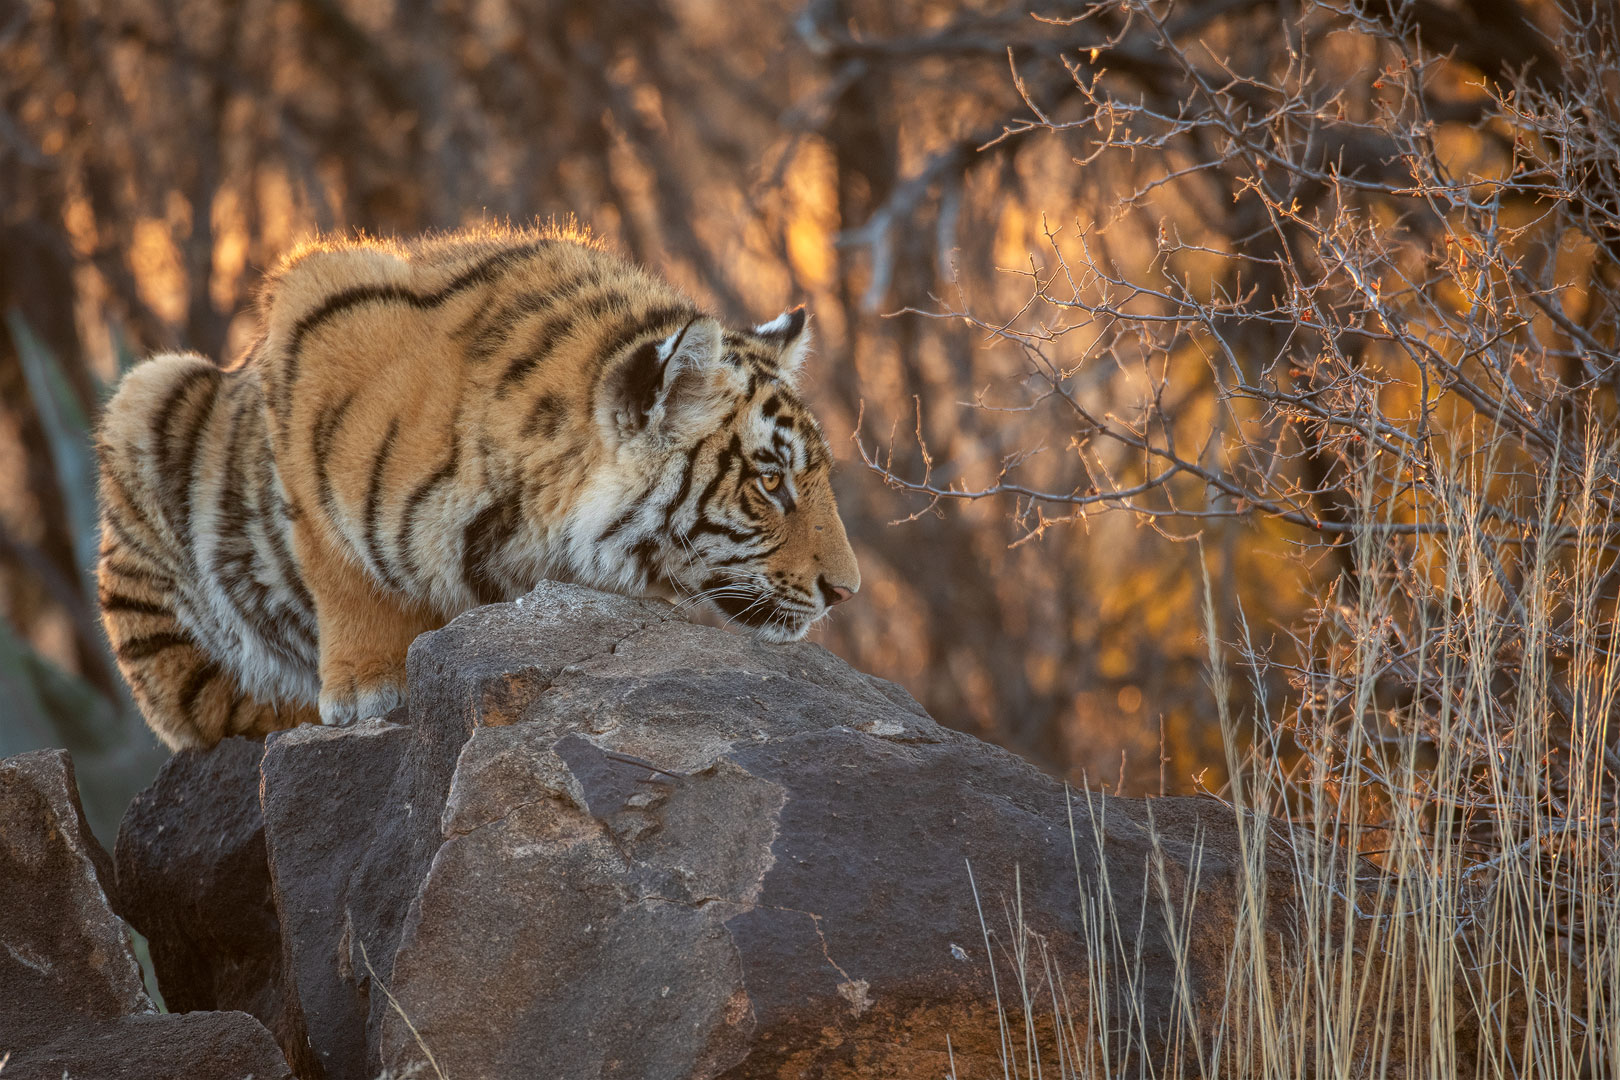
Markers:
point(426, 426)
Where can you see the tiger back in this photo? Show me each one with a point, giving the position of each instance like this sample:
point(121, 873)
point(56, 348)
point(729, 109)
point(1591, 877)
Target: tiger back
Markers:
point(429, 426)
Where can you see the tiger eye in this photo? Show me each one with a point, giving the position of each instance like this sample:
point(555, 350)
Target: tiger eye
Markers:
point(771, 481)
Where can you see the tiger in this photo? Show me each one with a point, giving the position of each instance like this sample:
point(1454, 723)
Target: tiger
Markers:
point(427, 425)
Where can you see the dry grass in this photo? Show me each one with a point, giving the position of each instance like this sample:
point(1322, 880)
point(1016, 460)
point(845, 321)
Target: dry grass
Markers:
point(1451, 832)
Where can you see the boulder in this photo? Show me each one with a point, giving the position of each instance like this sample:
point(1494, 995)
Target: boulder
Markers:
point(65, 953)
point(72, 1003)
point(605, 842)
point(599, 841)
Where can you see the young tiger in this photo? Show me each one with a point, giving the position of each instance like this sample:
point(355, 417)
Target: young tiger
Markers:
point(428, 426)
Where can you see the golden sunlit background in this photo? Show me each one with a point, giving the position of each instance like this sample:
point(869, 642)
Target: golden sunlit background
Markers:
point(1181, 286)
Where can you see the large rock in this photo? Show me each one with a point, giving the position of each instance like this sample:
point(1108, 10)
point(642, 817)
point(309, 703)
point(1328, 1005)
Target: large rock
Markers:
point(599, 841)
point(353, 814)
point(72, 1003)
point(615, 844)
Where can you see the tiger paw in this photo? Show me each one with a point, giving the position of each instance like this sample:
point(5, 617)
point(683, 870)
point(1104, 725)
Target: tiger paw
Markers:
point(354, 701)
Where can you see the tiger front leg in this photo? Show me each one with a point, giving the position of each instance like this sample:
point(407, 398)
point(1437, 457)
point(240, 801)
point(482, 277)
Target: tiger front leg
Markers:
point(364, 636)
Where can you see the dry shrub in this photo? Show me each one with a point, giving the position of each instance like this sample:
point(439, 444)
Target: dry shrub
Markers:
point(1395, 352)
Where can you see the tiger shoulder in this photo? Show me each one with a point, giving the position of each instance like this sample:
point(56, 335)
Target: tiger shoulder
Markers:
point(426, 426)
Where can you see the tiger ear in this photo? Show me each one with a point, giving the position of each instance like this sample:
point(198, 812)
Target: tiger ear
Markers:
point(669, 384)
point(790, 333)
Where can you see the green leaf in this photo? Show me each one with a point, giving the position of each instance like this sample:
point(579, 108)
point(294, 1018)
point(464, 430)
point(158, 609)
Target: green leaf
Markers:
point(67, 430)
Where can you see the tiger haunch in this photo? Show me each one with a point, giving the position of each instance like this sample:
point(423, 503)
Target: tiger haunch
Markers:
point(429, 426)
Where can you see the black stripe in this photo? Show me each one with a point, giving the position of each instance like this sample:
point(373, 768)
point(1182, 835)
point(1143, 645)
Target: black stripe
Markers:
point(481, 273)
point(135, 574)
point(653, 321)
point(545, 417)
point(110, 601)
point(732, 454)
point(171, 402)
point(322, 435)
point(155, 578)
point(232, 506)
point(413, 506)
point(692, 456)
point(554, 332)
point(483, 539)
point(497, 330)
point(740, 536)
point(273, 511)
point(373, 502)
point(143, 648)
point(199, 680)
point(750, 556)
point(643, 552)
point(722, 469)
point(177, 458)
point(231, 723)
point(120, 529)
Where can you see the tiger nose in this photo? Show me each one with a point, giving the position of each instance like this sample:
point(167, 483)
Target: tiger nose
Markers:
point(834, 594)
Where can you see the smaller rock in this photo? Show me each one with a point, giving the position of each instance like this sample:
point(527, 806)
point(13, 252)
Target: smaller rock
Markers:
point(324, 792)
point(64, 956)
point(72, 1005)
point(157, 1046)
point(192, 877)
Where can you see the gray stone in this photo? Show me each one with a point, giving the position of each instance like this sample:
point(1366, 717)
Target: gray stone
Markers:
point(352, 815)
point(192, 878)
point(599, 841)
point(64, 956)
point(325, 794)
point(669, 851)
point(186, 1046)
point(72, 1004)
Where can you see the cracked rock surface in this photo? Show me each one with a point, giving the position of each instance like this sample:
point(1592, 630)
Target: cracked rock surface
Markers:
point(663, 850)
point(600, 841)
point(72, 1004)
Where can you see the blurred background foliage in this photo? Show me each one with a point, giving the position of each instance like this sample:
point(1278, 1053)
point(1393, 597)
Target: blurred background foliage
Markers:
point(157, 155)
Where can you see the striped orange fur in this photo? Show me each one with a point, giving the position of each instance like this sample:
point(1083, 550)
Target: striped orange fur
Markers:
point(428, 426)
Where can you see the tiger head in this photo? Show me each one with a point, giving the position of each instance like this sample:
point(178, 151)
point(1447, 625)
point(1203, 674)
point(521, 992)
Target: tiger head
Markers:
point(750, 525)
